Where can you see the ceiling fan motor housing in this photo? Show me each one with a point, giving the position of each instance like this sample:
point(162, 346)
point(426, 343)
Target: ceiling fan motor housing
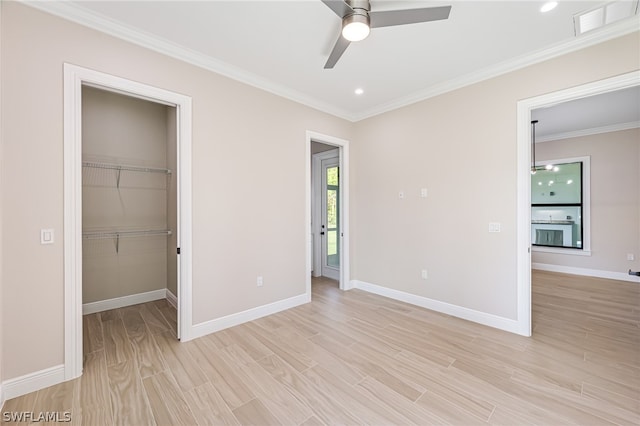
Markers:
point(359, 5)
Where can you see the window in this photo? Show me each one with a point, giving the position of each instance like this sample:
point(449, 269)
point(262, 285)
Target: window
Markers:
point(559, 206)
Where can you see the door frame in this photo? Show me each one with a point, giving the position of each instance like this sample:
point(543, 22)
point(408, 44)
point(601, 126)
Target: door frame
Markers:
point(343, 155)
point(317, 214)
point(523, 224)
point(74, 78)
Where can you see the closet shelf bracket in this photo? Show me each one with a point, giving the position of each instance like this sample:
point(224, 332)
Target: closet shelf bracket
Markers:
point(129, 168)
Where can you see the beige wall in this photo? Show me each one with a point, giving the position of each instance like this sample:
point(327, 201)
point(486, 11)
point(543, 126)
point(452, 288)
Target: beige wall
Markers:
point(120, 129)
point(461, 146)
point(615, 199)
point(248, 181)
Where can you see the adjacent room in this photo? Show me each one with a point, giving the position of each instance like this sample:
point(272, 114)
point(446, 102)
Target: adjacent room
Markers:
point(320, 212)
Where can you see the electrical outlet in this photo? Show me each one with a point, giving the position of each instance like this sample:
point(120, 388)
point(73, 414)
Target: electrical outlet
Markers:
point(424, 192)
point(259, 282)
point(424, 274)
point(630, 256)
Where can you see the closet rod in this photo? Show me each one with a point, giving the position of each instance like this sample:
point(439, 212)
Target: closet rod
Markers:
point(115, 235)
point(125, 167)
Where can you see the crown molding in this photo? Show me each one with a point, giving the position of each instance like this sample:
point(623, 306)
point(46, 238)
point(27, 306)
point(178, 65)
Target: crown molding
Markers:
point(82, 16)
point(588, 132)
point(98, 22)
point(592, 38)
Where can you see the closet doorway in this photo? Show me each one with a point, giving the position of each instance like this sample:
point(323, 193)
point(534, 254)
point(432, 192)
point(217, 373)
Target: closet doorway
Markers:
point(127, 208)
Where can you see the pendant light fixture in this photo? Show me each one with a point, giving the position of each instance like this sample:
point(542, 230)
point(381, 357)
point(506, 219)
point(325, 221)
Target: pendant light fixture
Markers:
point(533, 146)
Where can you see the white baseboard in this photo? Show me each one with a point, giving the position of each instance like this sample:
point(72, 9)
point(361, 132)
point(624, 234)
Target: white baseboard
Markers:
point(119, 302)
point(208, 327)
point(484, 318)
point(1, 397)
point(172, 299)
point(622, 276)
point(33, 381)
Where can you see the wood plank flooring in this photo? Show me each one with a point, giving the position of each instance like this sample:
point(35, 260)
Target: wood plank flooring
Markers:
point(357, 358)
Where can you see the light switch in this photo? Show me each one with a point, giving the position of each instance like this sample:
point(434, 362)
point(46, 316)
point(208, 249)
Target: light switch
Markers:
point(494, 227)
point(46, 236)
point(424, 193)
point(401, 194)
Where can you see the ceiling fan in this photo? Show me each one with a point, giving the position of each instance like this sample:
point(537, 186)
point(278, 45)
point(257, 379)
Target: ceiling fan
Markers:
point(357, 20)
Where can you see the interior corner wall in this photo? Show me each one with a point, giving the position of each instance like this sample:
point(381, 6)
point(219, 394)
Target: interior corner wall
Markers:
point(615, 199)
point(462, 147)
point(242, 199)
point(172, 202)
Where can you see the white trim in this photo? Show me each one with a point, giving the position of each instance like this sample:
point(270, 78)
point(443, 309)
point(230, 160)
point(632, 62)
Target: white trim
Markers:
point(208, 327)
point(82, 16)
point(74, 78)
point(1, 396)
point(171, 298)
point(120, 302)
point(343, 150)
point(523, 221)
point(588, 132)
point(612, 275)
point(32, 382)
point(484, 318)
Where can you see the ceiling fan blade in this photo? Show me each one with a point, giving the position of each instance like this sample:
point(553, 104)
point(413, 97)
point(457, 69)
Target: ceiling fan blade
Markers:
point(338, 49)
point(390, 18)
point(339, 7)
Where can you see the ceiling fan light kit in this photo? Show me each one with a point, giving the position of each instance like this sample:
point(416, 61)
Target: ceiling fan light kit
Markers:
point(357, 21)
point(356, 27)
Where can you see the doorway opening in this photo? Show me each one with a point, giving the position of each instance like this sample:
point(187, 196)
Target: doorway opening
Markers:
point(525, 111)
point(101, 184)
point(327, 209)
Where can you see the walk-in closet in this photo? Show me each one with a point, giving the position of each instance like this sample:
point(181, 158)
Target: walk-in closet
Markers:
point(129, 219)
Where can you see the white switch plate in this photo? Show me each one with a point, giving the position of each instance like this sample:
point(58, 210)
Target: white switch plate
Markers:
point(401, 194)
point(424, 274)
point(46, 236)
point(259, 281)
point(424, 193)
point(630, 256)
point(494, 227)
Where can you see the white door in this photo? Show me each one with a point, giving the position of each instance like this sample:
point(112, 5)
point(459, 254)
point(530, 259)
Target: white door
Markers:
point(330, 218)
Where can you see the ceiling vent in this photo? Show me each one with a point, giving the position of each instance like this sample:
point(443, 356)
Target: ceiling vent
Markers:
point(604, 15)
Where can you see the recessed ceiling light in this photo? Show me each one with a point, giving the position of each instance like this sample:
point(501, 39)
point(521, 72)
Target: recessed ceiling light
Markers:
point(358, 91)
point(548, 6)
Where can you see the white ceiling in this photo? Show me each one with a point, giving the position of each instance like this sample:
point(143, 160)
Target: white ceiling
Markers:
point(282, 45)
point(616, 110)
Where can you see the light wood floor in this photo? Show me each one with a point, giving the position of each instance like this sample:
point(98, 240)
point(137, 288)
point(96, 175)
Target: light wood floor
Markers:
point(357, 358)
